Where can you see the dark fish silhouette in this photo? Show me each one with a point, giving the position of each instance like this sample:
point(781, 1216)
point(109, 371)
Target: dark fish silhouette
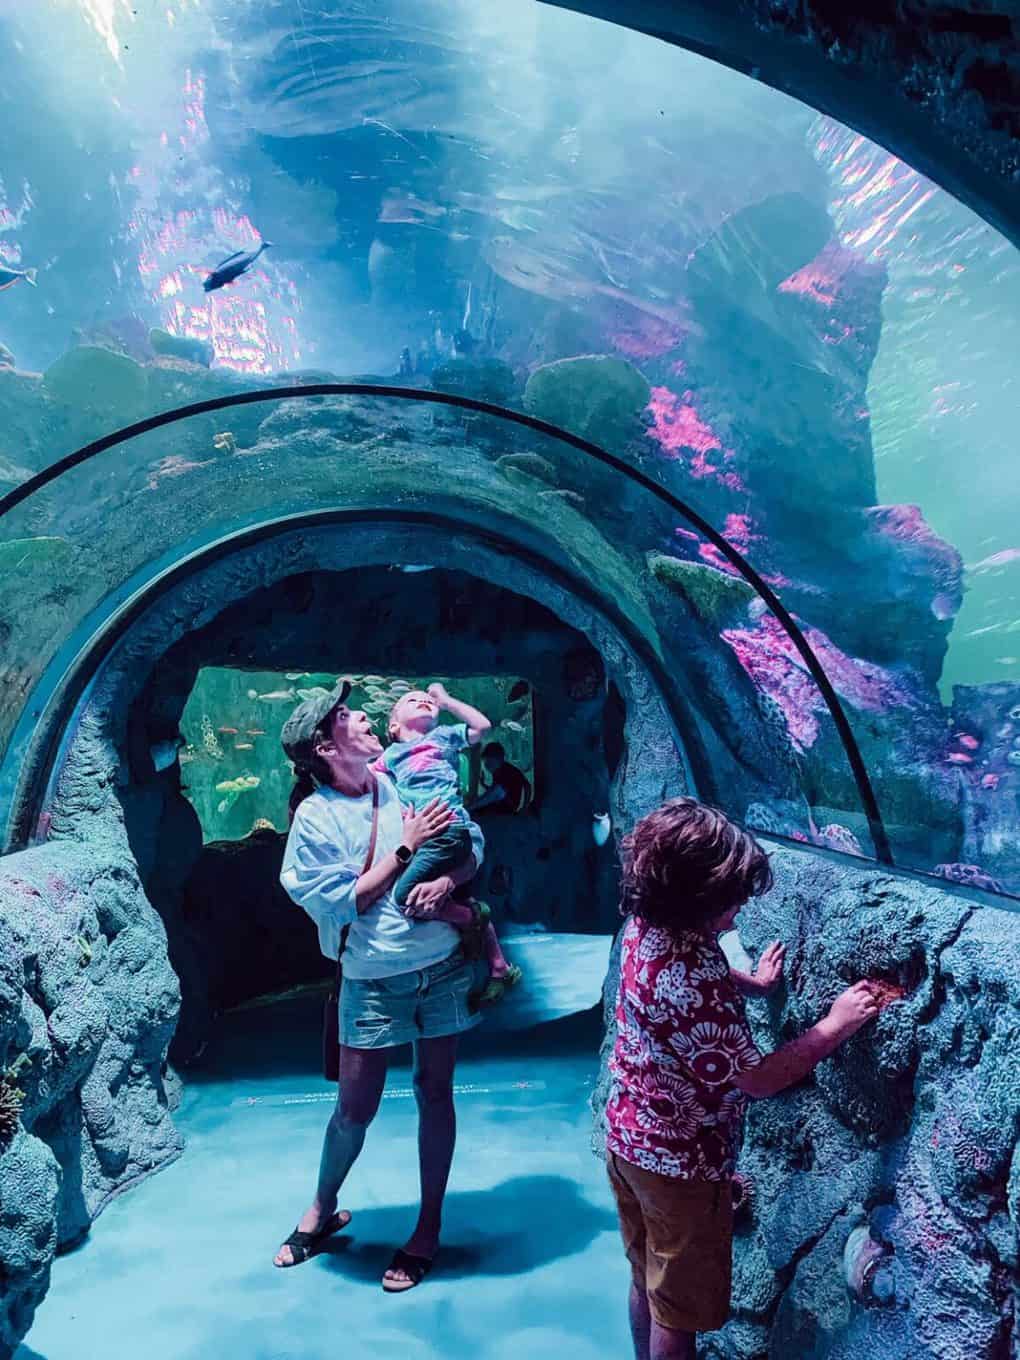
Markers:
point(9, 277)
point(519, 690)
point(232, 267)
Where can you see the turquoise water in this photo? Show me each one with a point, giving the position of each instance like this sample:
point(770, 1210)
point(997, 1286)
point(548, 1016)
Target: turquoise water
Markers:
point(184, 1262)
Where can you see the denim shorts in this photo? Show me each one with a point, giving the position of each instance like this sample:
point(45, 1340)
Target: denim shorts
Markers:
point(428, 1004)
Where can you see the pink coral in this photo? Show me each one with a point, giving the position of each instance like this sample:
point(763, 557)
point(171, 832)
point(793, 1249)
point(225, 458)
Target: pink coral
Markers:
point(769, 657)
point(647, 337)
point(936, 559)
point(679, 429)
point(678, 425)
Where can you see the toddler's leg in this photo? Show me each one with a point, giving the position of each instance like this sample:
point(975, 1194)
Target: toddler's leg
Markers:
point(498, 966)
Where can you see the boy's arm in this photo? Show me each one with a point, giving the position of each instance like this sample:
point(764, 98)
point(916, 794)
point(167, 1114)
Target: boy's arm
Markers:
point(791, 1064)
point(477, 723)
point(766, 976)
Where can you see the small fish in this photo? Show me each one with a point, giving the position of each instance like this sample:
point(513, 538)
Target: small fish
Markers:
point(243, 746)
point(967, 741)
point(228, 731)
point(373, 679)
point(512, 725)
point(316, 692)
point(959, 758)
point(279, 694)
point(232, 267)
point(295, 675)
point(256, 732)
point(225, 442)
point(9, 277)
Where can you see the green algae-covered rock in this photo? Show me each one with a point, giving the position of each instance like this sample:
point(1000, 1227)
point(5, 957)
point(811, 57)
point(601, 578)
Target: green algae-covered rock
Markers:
point(181, 347)
point(530, 465)
point(33, 555)
point(714, 595)
point(99, 380)
point(595, 396)
point(484, 379)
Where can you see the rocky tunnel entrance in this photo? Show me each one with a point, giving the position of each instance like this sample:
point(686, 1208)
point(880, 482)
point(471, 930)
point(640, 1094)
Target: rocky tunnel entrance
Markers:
point(233, 935)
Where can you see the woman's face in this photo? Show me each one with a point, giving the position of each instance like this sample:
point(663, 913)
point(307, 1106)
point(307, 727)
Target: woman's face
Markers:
point(353, 734)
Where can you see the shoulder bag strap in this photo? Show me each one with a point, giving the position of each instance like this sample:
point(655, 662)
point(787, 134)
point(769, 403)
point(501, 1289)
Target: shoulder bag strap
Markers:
point(373, 837)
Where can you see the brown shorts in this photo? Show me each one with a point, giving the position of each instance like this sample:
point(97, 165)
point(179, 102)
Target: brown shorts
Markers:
point(678, 1235)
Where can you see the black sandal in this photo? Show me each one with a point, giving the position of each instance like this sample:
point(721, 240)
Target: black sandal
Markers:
point(414, 1267)
point(305, 1244)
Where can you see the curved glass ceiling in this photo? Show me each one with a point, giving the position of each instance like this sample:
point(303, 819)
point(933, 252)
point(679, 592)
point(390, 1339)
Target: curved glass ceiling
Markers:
point(462, 192)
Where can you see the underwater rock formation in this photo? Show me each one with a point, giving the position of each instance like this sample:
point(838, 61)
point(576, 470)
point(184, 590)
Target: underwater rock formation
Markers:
point(984, 754)
point(595, 396)
point(182, 347)
point(88, 1000)
point(887, 1198)
point(716, 596)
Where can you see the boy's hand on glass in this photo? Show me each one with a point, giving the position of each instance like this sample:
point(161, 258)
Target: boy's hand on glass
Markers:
point(439, 693)
point(853, 1008)
point(422, 826)
point(770, 966)
point(425, 900)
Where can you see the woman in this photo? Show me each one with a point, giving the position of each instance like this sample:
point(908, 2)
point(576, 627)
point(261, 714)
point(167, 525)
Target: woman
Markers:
point(405, 980)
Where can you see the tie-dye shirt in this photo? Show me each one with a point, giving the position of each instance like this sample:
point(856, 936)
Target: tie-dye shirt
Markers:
point(682, 1037)
point(427, 767)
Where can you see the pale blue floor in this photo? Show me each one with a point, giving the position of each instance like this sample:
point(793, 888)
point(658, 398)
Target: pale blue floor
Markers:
point(180, 1267)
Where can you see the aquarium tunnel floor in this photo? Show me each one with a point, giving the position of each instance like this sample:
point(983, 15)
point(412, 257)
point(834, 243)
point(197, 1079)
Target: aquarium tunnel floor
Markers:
point(180, 1268)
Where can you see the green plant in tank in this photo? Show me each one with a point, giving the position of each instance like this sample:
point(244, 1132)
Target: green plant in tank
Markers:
point(12, 1098)
point(595, 396)
point(715, 596)
point(84, 951)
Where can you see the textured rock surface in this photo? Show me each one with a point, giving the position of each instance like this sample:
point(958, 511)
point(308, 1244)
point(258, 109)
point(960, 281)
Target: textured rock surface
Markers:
point(88, 996)
point(909, 1131)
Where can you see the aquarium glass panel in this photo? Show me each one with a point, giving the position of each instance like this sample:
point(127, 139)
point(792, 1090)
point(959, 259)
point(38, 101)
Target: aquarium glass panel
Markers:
point(774, 320)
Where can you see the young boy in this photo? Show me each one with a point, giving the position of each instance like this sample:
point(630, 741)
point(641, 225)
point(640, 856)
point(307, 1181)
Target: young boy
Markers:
point(422, 760)
point(683, 1063)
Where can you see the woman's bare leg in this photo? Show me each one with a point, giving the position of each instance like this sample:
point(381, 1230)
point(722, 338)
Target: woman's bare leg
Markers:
point(434, 1061)
point(362, 1078)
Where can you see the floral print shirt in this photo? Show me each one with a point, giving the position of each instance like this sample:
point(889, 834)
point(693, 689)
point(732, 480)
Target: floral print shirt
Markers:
point(682, 1038)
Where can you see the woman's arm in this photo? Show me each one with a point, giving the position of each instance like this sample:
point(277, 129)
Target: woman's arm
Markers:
point(419, 827)
point(431, 901)
point(476, 721)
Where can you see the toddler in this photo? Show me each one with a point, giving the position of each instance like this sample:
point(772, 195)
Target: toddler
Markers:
point(422, 760)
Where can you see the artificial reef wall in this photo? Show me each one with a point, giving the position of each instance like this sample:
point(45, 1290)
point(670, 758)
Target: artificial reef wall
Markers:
point(885, 1189)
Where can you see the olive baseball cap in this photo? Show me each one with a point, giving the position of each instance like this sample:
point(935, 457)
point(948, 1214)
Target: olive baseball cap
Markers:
point(299, 730)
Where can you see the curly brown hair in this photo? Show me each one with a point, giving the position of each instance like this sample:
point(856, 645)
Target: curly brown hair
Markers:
point(686, 864)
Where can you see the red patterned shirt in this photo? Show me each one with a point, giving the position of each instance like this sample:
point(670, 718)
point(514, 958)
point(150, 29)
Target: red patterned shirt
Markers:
point(682, 1037)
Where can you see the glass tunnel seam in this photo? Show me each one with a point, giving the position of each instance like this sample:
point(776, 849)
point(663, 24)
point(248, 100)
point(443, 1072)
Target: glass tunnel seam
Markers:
point(869, 802)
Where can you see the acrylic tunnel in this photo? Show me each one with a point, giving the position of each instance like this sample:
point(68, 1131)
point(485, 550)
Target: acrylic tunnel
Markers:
point(602, 386)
